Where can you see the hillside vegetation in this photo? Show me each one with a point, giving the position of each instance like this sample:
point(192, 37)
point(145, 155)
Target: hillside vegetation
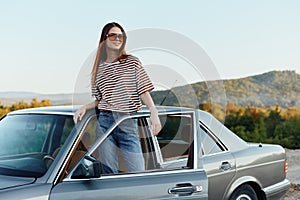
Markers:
point(22, 105)
point(273, 88)
point(262, 108)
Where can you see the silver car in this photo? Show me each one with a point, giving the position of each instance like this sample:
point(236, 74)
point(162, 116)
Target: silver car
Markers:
point(44, 155)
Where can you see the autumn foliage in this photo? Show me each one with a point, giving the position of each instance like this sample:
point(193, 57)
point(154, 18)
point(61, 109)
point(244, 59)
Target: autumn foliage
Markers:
point(265, 125)
point(22, 105)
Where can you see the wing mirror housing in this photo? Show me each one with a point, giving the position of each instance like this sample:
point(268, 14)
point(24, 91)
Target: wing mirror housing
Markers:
point(89, 167)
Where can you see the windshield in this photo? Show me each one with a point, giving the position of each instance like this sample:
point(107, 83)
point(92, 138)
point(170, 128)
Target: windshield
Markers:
point(27, 142)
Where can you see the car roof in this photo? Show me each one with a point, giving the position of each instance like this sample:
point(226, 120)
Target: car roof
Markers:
point(71, 109)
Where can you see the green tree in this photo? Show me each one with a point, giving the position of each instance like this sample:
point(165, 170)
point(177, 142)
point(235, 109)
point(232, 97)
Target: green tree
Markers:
point(288, 133)
point(272, 121)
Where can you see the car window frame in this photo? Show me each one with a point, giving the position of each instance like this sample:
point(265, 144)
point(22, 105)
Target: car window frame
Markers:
point(105, 135)
point(213, 136)
point(162, 161)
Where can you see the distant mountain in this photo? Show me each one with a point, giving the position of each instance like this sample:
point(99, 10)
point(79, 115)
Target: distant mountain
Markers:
point(268, 89)
point(8, 98)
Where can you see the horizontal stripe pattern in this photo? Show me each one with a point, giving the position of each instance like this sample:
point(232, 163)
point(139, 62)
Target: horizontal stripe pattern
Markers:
point(118, 85)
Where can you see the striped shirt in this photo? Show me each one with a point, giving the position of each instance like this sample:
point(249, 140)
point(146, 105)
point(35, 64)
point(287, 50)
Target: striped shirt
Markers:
point(118, 85)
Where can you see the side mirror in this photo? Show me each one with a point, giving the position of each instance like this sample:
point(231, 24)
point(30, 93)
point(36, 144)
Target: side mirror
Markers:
point(89, 167)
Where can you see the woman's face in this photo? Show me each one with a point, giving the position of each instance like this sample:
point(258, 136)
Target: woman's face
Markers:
point(114, 39)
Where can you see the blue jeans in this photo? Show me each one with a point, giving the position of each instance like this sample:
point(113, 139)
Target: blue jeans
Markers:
point(125, 138)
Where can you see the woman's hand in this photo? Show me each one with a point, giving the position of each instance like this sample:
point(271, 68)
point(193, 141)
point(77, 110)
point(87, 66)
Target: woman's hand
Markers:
point(79, 114)
point(155, 124)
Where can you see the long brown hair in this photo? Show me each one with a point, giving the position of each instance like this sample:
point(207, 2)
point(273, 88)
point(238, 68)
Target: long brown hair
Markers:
point(101, 51)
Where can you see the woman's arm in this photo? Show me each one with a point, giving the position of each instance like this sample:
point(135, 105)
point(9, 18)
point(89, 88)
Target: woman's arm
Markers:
point(154, 119)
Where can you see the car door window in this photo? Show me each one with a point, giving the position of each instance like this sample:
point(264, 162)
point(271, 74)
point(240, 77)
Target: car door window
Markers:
point(89, 135)
point(210, 144)
point(87, 139)
point(110, 148)
point(176, 140)
point(122, 149)
point(171, 149)
point(67, 128)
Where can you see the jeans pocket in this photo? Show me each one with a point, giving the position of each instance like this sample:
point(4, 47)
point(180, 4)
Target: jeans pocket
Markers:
point(129, 126)
point(105, 120)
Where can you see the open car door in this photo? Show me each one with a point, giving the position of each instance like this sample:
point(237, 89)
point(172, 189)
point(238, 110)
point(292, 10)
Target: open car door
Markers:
point(171, 162)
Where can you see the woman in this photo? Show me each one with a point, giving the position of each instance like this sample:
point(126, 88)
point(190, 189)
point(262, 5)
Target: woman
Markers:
point(119, 83)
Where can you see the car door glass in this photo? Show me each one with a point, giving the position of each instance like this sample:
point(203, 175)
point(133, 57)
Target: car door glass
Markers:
point(176, 140)
point(121, 150)
point(116, 153)
point(67, 128)
point(87, 139)
point(175, 143)
point(209, 144)
point(90, 133)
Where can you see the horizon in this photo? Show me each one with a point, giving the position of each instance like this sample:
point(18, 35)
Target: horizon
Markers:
point(71, 93)
point(68, 93)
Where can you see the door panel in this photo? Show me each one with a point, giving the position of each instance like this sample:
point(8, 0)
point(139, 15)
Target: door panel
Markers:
point(220, 170)
point(178, 184)
point(162, 179)
point(218, 163)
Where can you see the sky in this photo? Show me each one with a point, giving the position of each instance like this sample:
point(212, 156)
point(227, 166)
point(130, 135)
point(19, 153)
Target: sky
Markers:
point(44, 45)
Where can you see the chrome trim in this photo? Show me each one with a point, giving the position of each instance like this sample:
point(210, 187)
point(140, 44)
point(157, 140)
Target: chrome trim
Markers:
point(157, 150)
point(215, 154)
point(141, 174)
point(174, 161)
point(195, 139)
point(42, 112)
point(258, 165)
point(213, 136)
point(220, 173)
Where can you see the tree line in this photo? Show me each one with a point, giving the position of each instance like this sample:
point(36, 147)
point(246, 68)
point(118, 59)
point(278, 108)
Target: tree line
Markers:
point(22, 105)
point(275, 125)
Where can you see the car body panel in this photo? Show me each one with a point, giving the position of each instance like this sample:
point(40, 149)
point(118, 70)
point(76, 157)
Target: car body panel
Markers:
point(32, 191)
point(217, 175)
point(210, 175)
point(139, 186)
point(12, 181)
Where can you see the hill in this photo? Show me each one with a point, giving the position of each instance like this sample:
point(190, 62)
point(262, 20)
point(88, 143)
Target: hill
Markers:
point(268, 89)
point(264, 90)
point(8, 98)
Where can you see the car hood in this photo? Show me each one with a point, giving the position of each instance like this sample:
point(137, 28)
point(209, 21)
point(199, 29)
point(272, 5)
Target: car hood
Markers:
point(11, 181)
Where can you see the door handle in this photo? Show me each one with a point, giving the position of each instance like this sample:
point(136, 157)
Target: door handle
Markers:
point(185, 189)
point(225, 166)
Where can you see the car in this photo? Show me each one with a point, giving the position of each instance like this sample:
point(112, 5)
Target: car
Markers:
point(44, 155)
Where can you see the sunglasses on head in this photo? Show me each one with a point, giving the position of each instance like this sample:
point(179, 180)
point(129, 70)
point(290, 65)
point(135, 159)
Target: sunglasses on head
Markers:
point(114, 36)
